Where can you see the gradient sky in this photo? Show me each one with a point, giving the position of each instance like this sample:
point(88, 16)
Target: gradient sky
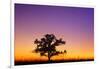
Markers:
point(74, 24)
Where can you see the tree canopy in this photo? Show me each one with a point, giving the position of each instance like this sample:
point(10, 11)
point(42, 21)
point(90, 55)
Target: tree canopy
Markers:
point(46, 46)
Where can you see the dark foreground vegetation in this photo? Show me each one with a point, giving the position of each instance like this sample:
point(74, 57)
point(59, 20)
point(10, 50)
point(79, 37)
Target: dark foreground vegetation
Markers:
point(48, 62)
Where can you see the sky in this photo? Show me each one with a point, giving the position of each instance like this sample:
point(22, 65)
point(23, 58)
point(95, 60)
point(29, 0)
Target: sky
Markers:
point(75, 25)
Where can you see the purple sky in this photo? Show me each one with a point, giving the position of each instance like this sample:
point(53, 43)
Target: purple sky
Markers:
point(52, 17)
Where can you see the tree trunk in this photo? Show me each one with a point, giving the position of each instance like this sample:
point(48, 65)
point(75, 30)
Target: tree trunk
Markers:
point(48, 56)
point(49, 53)
point(49, 59)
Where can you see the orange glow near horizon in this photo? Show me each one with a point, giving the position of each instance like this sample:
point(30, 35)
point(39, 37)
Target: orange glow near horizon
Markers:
point(75, 49)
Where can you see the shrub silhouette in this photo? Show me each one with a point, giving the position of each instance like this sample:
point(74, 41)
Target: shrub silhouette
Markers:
point(46, 46)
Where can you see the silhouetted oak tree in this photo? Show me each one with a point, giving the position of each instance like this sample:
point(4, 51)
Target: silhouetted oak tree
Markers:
point(46, 46)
